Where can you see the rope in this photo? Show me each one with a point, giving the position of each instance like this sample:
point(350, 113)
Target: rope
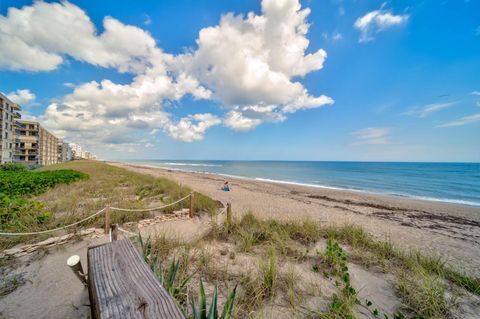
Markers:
point(93, 215)
point(223, 211)
point(150, 209)
point(55, 229)
point(126, 231)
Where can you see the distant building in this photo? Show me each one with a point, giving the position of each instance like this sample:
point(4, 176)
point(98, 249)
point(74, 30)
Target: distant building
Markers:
point(27, 139)
point(76, 151)
point(9, 114)
point(28, 142)
point(64, 152)
point(47, 147)
point(34, 144)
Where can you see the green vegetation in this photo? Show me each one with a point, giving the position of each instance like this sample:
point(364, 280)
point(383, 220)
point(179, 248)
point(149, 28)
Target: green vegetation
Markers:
point(13, 167)
point(45, 199)
point(247, 266)
point(421, 281)
point(200, 311)
point(175, 280)
point(17, 185)
point(30, 183)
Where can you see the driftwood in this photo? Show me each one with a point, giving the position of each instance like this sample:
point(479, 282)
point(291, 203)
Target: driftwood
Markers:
point(121, 285)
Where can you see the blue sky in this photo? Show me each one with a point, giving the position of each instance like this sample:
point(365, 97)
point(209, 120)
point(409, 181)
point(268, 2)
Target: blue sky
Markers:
point(394, 81)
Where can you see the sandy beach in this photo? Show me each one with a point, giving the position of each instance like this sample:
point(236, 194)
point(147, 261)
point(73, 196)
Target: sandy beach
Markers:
point(452, 231)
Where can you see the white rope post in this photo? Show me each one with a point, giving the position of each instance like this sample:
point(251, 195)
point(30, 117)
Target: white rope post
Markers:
point(190, 211)
point(107, 219)
point(76, 266)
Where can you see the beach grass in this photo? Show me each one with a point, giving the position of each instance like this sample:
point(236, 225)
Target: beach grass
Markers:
point(106, 185)
point(270, 264)
point(421, 279)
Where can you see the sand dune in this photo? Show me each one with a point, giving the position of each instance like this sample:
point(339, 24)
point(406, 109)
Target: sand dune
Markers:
point(453, 231)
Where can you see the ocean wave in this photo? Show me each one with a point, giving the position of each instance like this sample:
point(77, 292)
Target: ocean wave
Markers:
point(433, 199)
point(190, 164)
point(277, 181)
point(447, 200)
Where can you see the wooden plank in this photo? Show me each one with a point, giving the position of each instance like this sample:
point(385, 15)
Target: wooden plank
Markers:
point(121, 285)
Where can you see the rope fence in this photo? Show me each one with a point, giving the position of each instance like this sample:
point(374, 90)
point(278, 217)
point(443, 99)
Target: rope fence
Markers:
point(150, 209)
point(106, 210)
point(55, 229)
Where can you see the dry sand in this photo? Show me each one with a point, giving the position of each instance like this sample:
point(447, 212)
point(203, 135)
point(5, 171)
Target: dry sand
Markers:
point(52, 291)
point(453, 231)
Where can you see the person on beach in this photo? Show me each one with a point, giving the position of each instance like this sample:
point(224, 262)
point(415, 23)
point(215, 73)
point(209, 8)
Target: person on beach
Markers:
point(226, 187)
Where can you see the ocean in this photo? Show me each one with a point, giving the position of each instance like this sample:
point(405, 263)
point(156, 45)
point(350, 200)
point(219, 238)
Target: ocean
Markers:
point(457, 183)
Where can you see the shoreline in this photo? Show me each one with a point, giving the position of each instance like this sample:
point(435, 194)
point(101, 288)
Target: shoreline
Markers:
point(447, 201)
point(449, 230)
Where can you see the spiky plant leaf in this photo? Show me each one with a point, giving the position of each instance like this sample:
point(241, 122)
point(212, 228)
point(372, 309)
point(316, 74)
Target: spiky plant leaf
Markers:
point(228, 307)
point(213, 311)
point(202, 303)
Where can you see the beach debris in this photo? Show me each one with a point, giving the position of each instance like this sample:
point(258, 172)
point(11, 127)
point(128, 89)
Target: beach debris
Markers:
point(24, 250)
point(177, 215)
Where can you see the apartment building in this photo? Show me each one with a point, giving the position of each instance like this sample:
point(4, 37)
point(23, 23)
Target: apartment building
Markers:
point(64, 152)
point(35, 145)
point(48, 147)
point(76, 150)
point(9, 114)
point(27, 147)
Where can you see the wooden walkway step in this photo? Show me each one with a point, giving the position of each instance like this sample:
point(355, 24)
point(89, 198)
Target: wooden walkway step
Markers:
point(121, 285)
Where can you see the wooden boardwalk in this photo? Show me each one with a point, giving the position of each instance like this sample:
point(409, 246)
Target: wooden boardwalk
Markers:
point(121, 285)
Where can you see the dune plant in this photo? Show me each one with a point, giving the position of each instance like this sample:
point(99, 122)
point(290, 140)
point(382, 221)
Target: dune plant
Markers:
point(199, 310)
point(269, 273)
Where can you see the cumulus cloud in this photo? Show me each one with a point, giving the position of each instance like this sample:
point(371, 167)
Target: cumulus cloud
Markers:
point(429, 109)
point(41, 35)
point(250, 65)
point(377, 21)
point(371, 135)
point(22, 97)
point(469, 119)
point(192, 128)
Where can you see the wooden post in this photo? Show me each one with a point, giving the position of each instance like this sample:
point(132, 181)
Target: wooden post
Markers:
point(190, 211)
point(76, 266)
point(229, 216)
point(114, 232)
point(107, 220)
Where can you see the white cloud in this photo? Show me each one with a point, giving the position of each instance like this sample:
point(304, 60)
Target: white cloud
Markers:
point(191, 128)
point(377, 21)
point(477, 93)
point(22, 97)
point(371, 135)
point(147, 20)
point(251, 60)
point(251, 66)
point(335, 36)
point(429, 109)
point(39, 36)
point(469, 119)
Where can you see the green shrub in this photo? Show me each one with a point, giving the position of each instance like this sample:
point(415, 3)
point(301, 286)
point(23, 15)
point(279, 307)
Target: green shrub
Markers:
point(17, 184)
point(13, 167)
point(30, 183)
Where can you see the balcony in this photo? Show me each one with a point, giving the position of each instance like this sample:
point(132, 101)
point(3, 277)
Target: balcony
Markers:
point(17, 115)
point(20, 125)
